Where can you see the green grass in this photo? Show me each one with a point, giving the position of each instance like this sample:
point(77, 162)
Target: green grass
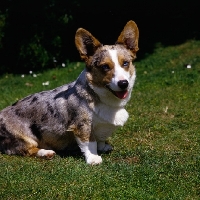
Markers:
point(156, 153)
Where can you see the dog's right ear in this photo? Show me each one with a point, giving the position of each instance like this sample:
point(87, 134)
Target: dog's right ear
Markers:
point(86, 43)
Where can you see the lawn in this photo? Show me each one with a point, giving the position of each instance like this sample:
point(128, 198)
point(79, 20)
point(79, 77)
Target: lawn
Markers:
point(156, 153)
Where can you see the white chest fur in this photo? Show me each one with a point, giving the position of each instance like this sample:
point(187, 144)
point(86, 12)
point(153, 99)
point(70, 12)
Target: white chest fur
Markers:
point(110, 115)
point(106, 119)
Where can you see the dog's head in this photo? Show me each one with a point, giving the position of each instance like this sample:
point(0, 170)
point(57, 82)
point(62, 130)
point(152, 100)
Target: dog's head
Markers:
point(110, 66)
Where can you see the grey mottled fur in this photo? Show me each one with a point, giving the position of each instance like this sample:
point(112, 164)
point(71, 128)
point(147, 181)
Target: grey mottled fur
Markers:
point(46, 117)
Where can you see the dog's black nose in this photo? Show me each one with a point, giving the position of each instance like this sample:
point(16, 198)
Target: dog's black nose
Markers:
point(123, 84)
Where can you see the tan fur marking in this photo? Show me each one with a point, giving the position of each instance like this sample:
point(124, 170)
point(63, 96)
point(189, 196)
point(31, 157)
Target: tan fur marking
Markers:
point(83, 130)
point(98, 76)
point(131, 68)
point(33, 151)
point(122, 59)
point(83, 136)
point(18, 133)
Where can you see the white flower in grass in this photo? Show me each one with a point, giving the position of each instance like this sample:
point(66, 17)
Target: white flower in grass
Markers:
point(45, 83)
point(34, 75)
point(63, 64)
point(189, 66)
point(22, 76)
point(172, 72)
point(165, 109)
point(30, 72)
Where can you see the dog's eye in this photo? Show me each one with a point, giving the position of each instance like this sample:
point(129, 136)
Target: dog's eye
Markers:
point(125, 64)
point(105, 67)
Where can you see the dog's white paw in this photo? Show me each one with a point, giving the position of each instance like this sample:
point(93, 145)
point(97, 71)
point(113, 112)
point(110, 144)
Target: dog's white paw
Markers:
point(47, 154)
point(103, 147)
point(94, 159)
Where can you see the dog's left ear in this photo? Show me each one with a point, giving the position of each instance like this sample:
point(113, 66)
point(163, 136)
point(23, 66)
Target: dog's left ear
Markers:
point(129, 36)
point(86, 43)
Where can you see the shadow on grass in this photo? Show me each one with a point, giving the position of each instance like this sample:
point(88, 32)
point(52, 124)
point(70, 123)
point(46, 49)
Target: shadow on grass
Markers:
point(74, 151)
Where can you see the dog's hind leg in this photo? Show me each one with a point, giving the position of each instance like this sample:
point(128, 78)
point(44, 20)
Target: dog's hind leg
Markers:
point(25, 146)
point(16, 143)
point(30, 147)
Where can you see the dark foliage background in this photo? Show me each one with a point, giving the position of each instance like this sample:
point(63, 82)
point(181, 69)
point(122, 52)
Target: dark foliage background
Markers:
point(35, 34)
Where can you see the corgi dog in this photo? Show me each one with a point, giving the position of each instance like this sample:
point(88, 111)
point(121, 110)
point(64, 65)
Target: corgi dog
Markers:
point(84, 112)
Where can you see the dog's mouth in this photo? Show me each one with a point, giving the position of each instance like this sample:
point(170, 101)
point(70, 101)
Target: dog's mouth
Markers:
point(119, 94)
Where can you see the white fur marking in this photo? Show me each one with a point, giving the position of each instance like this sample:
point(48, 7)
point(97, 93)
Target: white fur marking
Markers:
point(119, 74)
point(90, 151)
point(46, 153)
point(112, 115)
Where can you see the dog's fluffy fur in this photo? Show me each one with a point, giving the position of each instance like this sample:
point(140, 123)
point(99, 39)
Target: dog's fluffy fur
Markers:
point(85, 111)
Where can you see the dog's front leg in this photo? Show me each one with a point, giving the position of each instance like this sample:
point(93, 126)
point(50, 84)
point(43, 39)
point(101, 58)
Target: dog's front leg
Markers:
point(89, 148)
point(83, 132)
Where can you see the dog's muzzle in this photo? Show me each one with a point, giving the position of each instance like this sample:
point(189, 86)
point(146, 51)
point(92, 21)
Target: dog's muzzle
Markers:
point(123, 85)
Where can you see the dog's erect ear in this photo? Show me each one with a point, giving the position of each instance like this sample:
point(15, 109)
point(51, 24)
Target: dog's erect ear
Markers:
point(129, 36)
point(86, 43)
